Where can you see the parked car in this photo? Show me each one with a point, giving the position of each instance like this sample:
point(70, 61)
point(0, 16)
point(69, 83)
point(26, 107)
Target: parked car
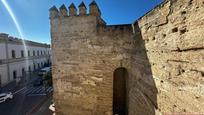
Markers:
point(43, 71)
point(5, 96)
point(38, 82)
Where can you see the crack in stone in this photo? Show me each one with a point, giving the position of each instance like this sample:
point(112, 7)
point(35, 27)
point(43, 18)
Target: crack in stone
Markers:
point(188, 49)
point(177, 61)
point(167, 17)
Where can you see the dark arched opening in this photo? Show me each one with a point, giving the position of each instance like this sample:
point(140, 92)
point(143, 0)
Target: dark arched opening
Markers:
point(120, 91)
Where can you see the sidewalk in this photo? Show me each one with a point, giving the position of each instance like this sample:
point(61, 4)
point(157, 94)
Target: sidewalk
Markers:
point(44, 108)
point(12, 86)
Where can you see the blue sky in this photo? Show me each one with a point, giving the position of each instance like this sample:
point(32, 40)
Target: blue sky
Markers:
point(33, 15)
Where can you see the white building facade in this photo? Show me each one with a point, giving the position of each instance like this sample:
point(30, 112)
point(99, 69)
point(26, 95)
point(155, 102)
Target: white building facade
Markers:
point(16, 59)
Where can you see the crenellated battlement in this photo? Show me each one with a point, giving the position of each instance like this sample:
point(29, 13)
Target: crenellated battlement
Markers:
point(115, 29)
point(128, 69)
point(81, 18)
point(72, 10)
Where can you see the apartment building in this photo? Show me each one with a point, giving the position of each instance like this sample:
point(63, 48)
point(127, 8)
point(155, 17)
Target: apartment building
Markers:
point(16, 60)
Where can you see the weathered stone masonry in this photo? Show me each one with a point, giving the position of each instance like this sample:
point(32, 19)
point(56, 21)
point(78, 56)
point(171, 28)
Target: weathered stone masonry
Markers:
point(162, 54)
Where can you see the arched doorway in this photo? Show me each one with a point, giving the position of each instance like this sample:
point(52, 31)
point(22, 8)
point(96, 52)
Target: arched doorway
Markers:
point(120, 91)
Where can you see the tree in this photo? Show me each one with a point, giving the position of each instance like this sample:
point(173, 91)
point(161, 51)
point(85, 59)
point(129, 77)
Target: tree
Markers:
point(48, 79)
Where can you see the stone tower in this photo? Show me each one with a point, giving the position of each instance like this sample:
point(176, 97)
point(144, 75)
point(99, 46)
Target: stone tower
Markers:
point(130, 69)
point(93, 63)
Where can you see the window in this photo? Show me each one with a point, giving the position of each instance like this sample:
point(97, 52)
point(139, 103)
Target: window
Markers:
point(22, 53)
point(14, 75)
point(33, 52)
point(28, 53)
point(44, 52)
point(13, 54)
point(34, 67)
point(23, 71)
point(38, 65)
point(41, 53)
point(38, 53)
point(29, 69)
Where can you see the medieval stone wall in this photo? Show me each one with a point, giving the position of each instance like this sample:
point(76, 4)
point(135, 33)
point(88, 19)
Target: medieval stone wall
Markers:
point(174, 41)
point(162, 53)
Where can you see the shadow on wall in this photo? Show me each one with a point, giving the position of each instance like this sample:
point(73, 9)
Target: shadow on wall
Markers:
point(142, 88)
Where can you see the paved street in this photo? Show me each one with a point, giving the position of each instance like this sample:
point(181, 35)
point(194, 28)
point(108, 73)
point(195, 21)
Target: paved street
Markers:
point(26, 98)
point(44, 109)
point(36, 91)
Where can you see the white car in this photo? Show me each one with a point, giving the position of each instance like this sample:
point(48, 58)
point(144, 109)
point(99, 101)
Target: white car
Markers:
point(5, 96)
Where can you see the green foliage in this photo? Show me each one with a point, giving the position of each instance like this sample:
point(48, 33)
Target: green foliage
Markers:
point(48, 79)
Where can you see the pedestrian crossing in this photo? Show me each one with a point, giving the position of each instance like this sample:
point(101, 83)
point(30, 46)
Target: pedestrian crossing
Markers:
point(34, 91)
